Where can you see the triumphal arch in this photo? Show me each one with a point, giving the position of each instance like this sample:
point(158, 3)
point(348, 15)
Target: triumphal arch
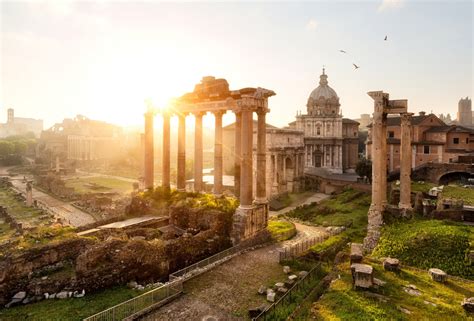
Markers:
point(212, 95)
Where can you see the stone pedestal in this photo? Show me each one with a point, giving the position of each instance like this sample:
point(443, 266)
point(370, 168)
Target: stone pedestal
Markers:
point(362, 275)
point(356, 253)
point(391, 264)
point(438, 275)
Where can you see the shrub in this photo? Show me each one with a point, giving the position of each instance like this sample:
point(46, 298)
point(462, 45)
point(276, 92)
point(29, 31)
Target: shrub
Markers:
point(428, 243)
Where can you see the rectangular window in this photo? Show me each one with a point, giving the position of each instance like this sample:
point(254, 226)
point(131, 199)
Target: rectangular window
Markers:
point(456, 140)
point(467, 140)
point(426, 149)
point(391, 134)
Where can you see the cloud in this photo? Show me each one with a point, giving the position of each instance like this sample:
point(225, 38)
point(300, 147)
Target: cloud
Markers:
point(312, 24)
point(387, 5)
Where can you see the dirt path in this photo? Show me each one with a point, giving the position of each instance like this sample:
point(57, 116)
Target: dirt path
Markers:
point(314, 198)
point(229, 290)
point(70, 214)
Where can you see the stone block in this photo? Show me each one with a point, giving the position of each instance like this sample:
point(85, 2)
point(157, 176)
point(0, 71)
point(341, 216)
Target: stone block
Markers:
point(362, 275)
point(292, 277)
point(262, 289)
point(468, 304)
point(286, 269)
point(391, 264)
point(271, 297)
point(356, 253)
point(438, 275)
point(302, 274)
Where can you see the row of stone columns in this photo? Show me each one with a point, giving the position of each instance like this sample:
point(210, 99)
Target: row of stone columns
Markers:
point(243, 154)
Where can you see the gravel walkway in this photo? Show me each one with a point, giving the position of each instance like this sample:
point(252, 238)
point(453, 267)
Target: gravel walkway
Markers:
point(229, 290)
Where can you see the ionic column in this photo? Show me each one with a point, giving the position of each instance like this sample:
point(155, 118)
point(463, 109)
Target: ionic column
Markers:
point(181, 179)
point(149, 152)
point(261, 157)
point(246, 190)
point(405, 162)
point(218, 164)
point(198, 184)
point(383, 160)
point(166, 151)
point(238, 152)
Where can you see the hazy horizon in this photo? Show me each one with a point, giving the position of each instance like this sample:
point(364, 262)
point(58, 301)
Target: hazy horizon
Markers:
point(102, 59)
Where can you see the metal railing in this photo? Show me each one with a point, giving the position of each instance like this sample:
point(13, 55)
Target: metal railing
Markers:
point(283, 307)
point(199, 267)
point(131, 308)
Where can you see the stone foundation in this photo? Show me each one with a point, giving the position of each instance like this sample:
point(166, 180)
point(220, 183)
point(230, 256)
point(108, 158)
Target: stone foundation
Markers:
point(249, 221)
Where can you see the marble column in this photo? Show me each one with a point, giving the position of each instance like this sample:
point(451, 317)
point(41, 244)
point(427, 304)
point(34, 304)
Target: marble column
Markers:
point(246, 191)
point(405, 162)
point(377, 160)
point(218, 161)
point(166, 151)
point(149, 150)
point(238, 152)
point(383, 165)
point(181, 179)
point(198, 163)
point(261, 157)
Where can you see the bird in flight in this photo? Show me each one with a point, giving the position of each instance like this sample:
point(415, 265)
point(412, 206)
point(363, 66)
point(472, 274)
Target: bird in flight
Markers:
point(385, 38)
point(342, 51)
point(355, 66)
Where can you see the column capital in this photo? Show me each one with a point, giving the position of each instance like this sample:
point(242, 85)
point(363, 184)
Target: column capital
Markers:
point(219, 113)
point(199, 113)
point(262, 111)
point(406, 118)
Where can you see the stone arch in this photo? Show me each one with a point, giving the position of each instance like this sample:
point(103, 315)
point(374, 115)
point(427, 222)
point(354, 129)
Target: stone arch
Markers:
point(448, 177)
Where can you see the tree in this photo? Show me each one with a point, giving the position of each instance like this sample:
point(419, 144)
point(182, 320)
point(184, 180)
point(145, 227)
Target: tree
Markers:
point(6, 148)
point(364, 169)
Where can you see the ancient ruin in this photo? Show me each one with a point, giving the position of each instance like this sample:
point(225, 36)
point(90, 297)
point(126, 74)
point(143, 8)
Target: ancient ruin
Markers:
point(382, 108)
point(213, 95)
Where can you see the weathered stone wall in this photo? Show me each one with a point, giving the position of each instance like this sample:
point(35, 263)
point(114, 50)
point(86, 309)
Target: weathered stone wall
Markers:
point(117, 258)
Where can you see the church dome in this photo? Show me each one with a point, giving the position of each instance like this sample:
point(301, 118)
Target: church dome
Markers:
point(323, 101)
point(323, 90)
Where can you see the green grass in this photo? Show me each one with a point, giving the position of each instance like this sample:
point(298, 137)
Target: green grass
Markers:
point(281, 230)
point(341, 302)
point(28, 216)
point(103, 184)
point(421, 186)
point(428, 244)
point(346, 209)
point(458, 192)
point(70, 309)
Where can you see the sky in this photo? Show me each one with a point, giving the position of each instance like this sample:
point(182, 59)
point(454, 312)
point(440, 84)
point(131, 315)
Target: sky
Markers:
point(103, 59)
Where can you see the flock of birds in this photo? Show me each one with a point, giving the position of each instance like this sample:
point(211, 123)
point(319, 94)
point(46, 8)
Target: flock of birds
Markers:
point(355, 66)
